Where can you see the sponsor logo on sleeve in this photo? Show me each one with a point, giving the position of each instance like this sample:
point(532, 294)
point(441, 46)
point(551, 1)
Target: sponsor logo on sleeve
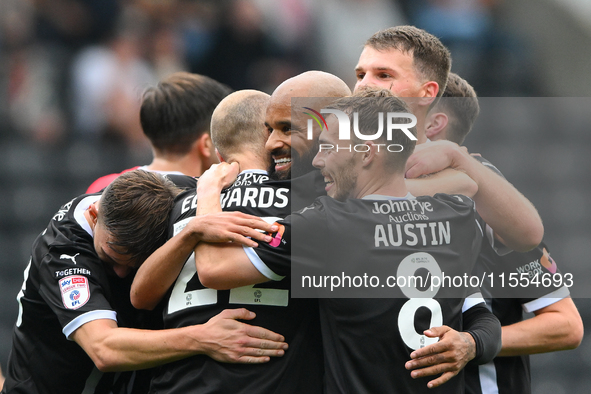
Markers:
point(75, 291)
point(548, 262)
point(277, 237)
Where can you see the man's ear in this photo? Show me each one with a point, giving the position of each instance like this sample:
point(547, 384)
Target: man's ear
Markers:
point(431, 88)
point(93, 212)
point(429, 93)
point(368, 157)
point(205, 145)
point(436, 125)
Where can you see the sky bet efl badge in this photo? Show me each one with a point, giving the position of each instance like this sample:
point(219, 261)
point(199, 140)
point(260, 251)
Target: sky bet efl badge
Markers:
point(75, 291)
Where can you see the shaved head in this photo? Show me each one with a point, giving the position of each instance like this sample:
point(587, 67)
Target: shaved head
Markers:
point(311, 84)
point(287, 136)
point(237, 124)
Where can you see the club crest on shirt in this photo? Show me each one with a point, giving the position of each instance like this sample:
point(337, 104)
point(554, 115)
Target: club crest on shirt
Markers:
point(75, 291)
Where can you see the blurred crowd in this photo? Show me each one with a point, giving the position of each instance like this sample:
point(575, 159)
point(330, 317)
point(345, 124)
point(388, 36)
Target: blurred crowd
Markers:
point(79, 67)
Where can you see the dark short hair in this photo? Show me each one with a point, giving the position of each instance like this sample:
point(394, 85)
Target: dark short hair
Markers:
point(431, 58)
point(460, 103)
point(177, 111)
point(135, 209)
point(368, 109)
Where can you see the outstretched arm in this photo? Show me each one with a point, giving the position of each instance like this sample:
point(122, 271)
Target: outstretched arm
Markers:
point(555, 327)
point(513, 218)
point(447, 181)
point(223, 338)
point(161, 269)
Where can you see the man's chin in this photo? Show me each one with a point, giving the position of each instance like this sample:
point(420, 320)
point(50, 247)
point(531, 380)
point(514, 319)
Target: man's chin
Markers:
point(281, 175)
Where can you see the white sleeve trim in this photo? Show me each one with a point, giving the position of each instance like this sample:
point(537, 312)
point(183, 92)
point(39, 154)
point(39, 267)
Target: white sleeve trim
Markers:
point(87, 317)
point(472, 300)
point(260, 266)
point(546, 300)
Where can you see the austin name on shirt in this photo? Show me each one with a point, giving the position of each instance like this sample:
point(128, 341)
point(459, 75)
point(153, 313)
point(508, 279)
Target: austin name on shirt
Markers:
point(412, 234)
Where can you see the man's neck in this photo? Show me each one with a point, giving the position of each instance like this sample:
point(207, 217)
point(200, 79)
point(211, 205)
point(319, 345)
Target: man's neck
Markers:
point(248, 162)
point(387, 185)
point(187, 165)
point(421, 119)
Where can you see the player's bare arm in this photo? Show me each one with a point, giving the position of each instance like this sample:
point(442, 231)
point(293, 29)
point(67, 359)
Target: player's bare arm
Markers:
point(448, 181)
point(161, 269)
point(514, 219)
point(555, 327)
point(223, 338)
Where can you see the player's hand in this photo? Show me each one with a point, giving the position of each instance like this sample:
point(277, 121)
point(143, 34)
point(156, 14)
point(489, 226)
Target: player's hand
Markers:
point(231, 341)
point(231, 227)
point(433, 157)
point(446, 357)
point(218, 176)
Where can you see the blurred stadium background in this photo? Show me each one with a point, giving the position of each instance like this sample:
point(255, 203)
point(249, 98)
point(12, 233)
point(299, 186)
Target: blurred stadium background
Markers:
point(72, 73)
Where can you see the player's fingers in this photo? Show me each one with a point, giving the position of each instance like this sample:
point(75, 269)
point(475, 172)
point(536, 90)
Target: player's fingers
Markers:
point(416, 169)
point(436, 331)
point(434, 348)
point(252, 222)
point(427, 361)
point(258, 352)
point(241, 239)
point(237, 314)
point(256, 235)
point(440, 380)
point(253, 360)
point(264, 345)
point(411, 165)
point(432, 370)
point(270, 339)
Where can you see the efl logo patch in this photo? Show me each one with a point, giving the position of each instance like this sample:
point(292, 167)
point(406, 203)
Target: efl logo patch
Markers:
point(75, 291)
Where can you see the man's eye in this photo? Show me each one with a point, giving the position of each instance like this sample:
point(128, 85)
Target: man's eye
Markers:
point(360, 76)
point(384, 76)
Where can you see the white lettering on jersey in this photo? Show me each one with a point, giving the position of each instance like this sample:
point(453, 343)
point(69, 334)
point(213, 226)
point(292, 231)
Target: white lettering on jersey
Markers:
point(73, 271)
point(75, 291)
point(62, 212)
point(394, 206)
point(393, 235)
point(256, 197)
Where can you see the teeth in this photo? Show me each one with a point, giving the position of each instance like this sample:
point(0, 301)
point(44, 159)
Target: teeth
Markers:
point(327, 180)
point(283, 161)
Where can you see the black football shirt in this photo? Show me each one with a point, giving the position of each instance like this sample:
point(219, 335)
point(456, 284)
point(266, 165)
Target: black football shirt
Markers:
point(65, 287)
point(507, 375)
point(367, 341)
point(300, 370)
